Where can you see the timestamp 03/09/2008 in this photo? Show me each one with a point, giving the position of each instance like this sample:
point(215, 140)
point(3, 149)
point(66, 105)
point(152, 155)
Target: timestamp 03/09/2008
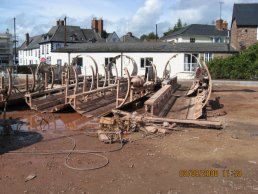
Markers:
point(210, 173)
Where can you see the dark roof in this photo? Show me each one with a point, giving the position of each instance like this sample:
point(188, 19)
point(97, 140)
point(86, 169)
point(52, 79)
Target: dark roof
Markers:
point(74, 34)
point(245, 14)
point(198, 30)
point(57, 34)
point(91, 35)
point(33, 43)
point(129, 38)
point(147, 47)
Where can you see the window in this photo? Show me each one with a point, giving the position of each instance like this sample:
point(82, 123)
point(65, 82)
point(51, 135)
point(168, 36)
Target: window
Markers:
point(217, 40)
point(43, 48)
point(190, 62)
point(208, 57)
point(58, 45)
point(47, 49)
point(79, 61)
point(145, 62)
point(110, 59)
point(192, 40)
point(59, 62)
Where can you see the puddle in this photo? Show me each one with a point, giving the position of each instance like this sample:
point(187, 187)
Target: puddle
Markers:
point(28, 120)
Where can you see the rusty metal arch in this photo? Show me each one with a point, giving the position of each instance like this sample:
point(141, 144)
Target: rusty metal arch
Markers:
point(210, 85)
point(135, 67)
point(33, 79)
point(155, 72)
point(37, 74)
point(167, 63)
point(128, 88)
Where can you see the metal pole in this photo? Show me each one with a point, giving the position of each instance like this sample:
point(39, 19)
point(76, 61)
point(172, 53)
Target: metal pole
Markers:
point(156, 32)
point(65, 32)
point(14, 27)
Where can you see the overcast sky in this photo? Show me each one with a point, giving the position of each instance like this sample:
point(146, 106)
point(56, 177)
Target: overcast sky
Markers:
point(136, 16)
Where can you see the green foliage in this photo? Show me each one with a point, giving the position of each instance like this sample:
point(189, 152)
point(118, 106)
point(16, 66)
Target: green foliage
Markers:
point(239, 66)
point(177, 26)
point(150, 36)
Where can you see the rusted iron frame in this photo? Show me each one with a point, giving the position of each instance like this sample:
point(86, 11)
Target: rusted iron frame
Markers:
point(164, 72)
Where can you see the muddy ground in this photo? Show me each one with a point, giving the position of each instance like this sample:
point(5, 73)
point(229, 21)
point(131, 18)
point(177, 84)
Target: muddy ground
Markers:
point(145, 166)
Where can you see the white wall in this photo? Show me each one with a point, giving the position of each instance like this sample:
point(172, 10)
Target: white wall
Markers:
point(159, 59)
point(27, 57)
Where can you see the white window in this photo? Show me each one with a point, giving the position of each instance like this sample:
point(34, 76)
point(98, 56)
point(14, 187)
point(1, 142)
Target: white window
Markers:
point(208, 57)
point(190, 62)
point(146, 62)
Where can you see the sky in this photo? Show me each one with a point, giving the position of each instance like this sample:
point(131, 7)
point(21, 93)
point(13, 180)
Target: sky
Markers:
point(137, 16)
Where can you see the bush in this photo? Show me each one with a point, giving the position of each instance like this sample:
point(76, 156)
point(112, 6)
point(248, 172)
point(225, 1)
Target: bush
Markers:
point(240, 66)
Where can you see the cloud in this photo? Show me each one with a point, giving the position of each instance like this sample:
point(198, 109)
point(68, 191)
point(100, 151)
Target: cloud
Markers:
point(139, 16)
point(146, 17)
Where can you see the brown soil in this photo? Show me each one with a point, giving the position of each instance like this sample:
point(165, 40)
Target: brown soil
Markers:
point(145, 166)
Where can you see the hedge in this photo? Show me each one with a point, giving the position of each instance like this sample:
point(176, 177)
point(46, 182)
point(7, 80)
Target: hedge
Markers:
point(242, 66)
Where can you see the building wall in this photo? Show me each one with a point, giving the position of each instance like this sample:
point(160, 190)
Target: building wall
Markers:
point(198, 39)
point(6, 51)
point(243, 36)
point(159, 59)
point(27, 57)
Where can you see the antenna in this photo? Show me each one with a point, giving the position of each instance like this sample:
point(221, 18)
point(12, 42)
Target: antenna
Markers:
point(220, 8)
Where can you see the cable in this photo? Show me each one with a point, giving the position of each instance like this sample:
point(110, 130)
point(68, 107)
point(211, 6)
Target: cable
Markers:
point(73, 151)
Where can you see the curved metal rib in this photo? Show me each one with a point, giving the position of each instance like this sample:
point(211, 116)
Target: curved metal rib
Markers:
point(128, 87)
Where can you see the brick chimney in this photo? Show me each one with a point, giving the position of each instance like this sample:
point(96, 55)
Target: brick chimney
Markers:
point(94, 24)
point(219, 24)
point(100, 25)
point(27, 39)
point(129, 34)
point(224, 25)
point(60, 22)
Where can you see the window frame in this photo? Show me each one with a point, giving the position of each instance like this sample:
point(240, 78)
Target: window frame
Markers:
point(192, 40)
point(192, 64)
point(208, 57)
point(145, 62)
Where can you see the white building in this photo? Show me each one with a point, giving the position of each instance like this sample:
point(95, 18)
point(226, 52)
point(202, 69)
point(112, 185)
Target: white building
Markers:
point(40, 48)
point(199, 33)
point(183, 64)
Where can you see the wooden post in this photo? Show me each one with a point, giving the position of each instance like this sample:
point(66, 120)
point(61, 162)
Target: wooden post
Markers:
point(2, 82)
point(117, 92)
point(46, 81)
point(27, 83)
point(97, 80)
point(84, 84)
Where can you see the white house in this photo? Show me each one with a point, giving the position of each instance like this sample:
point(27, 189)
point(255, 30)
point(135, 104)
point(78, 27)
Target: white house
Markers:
point(40, 48)
point(199, 33)
point(182, 64)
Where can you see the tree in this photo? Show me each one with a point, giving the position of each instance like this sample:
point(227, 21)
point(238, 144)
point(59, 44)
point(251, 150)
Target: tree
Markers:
point(143, 37)
point(176, 27)
point(150, 36)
